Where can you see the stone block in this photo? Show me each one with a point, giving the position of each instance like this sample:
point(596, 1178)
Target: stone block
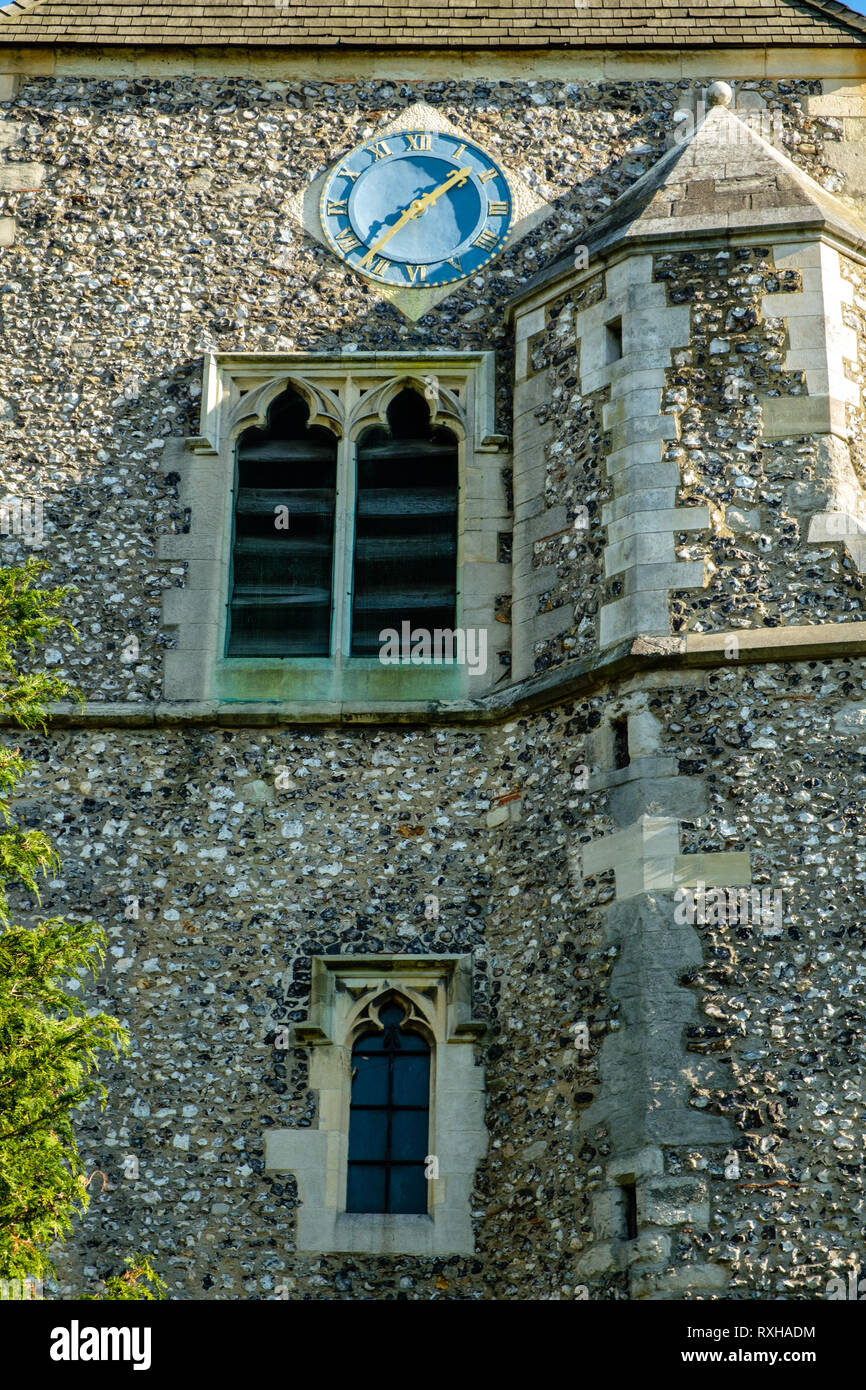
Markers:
point(648, 547)
point(841, 98)
point(192, 606)
point(185, 674)
point(640, 1163)
point(645, 454)
point(680, 574)
point(726, 868)
point(789, 417)
point(663, 519)
point(631, 271)
point(643, 500)
point(674, 1201)
point(631, 404)
point(640, 613)
point(848, 158)
point(682, 797)
point(21, 178)
point(10, 133)
point(528, 323)
point(643, 429)
point(552, 623)
point(677, 1282)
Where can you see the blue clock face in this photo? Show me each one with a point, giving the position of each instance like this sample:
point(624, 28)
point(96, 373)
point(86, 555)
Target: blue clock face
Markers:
point(416, 209)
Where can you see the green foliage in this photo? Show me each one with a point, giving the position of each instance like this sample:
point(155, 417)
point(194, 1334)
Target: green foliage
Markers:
point(27, 616)
point(139, 1283)
point(49, 1042)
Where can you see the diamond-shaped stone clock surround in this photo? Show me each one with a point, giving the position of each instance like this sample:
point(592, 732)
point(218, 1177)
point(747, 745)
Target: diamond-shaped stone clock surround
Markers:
point(529, 209)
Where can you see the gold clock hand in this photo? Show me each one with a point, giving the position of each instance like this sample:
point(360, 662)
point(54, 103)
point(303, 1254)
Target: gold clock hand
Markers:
point(459, 176)
point(415, 209)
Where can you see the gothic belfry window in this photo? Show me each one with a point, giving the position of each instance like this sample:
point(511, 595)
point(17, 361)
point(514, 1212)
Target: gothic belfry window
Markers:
point(405, 563)
point(282, 558)
point(389, 1118)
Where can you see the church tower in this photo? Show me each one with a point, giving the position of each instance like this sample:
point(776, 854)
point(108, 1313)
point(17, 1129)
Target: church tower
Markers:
point(452, 424)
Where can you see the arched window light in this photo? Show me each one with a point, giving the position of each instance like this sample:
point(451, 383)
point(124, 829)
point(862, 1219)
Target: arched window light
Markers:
point(405, 563)
point(389, 1119)
point(283, 536)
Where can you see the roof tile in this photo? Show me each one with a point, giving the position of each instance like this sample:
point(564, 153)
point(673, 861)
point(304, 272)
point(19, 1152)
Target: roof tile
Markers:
point(431, 23)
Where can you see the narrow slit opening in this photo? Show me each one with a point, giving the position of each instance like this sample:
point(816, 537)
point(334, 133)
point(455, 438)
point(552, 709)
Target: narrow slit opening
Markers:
point(613, 340)
point(621, 756)
point(629, 1209)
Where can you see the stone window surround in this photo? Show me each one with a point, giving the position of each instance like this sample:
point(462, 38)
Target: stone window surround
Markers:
point(438, 993)
point(346, 392)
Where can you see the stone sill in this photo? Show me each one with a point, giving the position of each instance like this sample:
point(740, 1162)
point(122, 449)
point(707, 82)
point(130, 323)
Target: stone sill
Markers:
point(386, 1234)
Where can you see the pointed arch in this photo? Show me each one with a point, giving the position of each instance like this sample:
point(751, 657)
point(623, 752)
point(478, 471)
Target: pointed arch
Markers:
point(443, 403)
point(253, 408)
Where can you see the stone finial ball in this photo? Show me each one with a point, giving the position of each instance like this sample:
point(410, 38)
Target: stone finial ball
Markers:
point(719, 94)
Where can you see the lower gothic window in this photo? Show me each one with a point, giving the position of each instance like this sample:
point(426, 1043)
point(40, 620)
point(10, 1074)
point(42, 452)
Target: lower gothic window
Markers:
point(389, 1118)
point(388, 1167)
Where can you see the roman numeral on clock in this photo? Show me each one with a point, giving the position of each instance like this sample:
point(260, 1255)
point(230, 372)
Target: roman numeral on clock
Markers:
point(497, 209)
point(416, 272)
point(347, 240)
point(350, 173)
point(487, 240)
point(421, 141)
point(341, 205)
point(380, 150)
point(456, 262)
point(377, 265)
point(487, 175)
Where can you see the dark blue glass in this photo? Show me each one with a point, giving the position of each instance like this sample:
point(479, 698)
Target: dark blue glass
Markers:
point(366, 1189)
point(408, 1134)
point(408, 1189)
point(411, 1080)
point(389, 1119)
point(370, 1080)
point(368, 1137)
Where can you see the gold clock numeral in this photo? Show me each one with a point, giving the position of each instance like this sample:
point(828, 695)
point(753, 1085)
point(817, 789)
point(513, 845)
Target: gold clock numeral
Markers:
point(350, 174)
point(347, 239)
point(375, 264)
point(497, 209)
point(487, 240)
point(380, 150)
point(455, 154)
point(416, 272)
point(456, 262)
point(341, 205)
point(422, 141)
point(487, 175)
